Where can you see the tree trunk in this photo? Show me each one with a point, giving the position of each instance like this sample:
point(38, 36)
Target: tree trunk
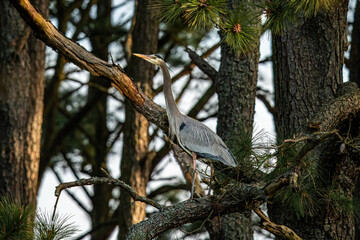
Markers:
point(355, 77)
point(308, 61)
point(236, 89)
point(100, 213)
point(22, 66)
point(135, 163)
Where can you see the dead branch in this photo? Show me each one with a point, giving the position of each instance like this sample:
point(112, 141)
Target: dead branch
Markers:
point(278, 230)
point(202, 64)
point(110, 181)
point(73, 52)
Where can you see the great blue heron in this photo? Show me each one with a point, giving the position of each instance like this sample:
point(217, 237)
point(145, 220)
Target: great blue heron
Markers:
point(193, 136)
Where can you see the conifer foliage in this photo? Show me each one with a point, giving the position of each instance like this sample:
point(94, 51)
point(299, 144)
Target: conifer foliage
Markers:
point(241, 27)
point(16, 223)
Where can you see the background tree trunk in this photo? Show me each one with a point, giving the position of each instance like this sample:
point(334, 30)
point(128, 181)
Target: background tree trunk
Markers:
point(308, 61)
point(236, 89)
point(22, 66)
point(135, 161)
point(98, 87)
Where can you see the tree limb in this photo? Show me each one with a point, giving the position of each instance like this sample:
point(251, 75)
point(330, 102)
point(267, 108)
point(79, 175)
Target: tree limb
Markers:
point(110, 181)
point(202, 64)
point(338, 109)
point(278, 230)
point(73, 52)
point(235, 200)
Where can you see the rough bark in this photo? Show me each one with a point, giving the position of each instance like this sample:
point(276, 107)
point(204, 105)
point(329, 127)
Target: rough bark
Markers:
point(135, 162)
point(355, 77)
point(235, 200)
point(308, 61)
point(236, 89)
point(22, 65)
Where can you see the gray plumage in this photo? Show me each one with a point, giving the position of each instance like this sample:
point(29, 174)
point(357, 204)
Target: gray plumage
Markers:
point(193, 136)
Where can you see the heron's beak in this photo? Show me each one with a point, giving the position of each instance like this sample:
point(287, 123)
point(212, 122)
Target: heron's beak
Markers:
point(145, 57)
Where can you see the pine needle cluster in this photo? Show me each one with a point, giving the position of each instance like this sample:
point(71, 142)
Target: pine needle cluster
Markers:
point(240, 27)
point(252, 152)
point(17, 223)
point(15, 220)
point(53, 229)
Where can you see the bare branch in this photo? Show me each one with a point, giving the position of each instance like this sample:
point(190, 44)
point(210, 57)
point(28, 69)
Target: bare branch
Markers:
point(70, 164)
point(73, 52)
point(78, 201)
point(278, 230)
point(110, 181)
point(202, 64)
point(267, 104)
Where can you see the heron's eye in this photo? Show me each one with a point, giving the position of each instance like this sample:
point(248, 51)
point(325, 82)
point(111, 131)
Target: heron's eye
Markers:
point(158, 57)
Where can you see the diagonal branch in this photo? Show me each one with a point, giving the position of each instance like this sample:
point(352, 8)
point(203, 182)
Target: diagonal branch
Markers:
point(202, 64)
point(278, 230)
point(73, 52)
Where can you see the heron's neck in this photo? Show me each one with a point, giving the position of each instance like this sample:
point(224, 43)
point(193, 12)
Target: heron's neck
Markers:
point(171, 107)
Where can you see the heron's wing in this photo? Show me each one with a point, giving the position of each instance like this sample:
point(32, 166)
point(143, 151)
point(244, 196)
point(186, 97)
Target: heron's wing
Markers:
point(197, 137)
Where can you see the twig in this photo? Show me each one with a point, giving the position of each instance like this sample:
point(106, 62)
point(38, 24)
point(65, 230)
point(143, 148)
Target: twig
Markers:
point(72, 195)
point(106, 180)
point(267, 104)
point(278, 230)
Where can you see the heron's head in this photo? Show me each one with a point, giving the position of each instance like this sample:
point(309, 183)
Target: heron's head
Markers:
point(154, 59)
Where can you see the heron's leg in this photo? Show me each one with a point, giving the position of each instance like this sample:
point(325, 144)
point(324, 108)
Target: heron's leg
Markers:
point(194, 174)
point(211, 177)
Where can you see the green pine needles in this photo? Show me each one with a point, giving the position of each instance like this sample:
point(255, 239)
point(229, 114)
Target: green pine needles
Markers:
point(17, 223)
point(15, 220)
point(240, 26)
point(56, 229)
point(203, 13)
point(241, 29)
